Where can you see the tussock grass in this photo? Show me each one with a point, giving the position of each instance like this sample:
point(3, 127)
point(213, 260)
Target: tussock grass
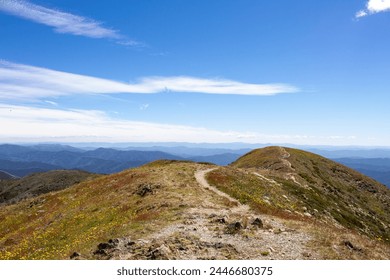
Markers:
point(54, 225)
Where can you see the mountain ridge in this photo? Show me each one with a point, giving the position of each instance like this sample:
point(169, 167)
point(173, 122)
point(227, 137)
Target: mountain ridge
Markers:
point(170, 209)
point(24, 160)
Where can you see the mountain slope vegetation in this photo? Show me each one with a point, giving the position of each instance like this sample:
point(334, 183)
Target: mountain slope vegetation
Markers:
point(6, 176)
point(273, 203)
point(13, 191)
point(377, 168)
point(321, 187)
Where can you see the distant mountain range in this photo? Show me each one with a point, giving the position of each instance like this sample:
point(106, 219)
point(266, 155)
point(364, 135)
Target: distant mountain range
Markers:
point(22, 160)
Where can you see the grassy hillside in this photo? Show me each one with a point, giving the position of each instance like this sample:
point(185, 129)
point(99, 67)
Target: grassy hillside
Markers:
point(311, 185)
point(131, 203)
point(167, 210)
point(12, 191)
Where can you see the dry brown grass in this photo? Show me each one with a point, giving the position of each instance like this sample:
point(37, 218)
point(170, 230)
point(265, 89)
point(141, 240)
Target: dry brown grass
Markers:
point(54, 225)
point(332, 242)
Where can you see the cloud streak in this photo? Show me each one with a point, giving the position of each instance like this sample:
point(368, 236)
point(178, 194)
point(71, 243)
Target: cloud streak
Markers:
point(373, 7)
point(23, 123)
point(24, 82)
point(63, 22)
point(87, 125)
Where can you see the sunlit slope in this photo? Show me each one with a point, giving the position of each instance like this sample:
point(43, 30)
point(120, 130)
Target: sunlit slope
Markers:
point(294, 182)
point(54, 225)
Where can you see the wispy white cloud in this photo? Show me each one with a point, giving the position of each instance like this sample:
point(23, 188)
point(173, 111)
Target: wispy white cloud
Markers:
point(18, 81)
point(373, 7)
point(143, 107)
point(212, 86)
point(23, 123)
point(63, 22)
point(85, 125)
point(51, 102)
point(361, 13)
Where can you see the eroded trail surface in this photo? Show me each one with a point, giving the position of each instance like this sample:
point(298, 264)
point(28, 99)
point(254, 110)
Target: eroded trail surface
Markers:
point(237, 207)
point(220, 227)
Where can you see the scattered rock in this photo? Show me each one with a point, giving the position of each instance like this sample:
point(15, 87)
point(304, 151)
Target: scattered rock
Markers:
point(74, 256)
point(279, 231)
point(106, 249)
point(221, 220)
point(146, 189)
point(233, 228)
point(258, 223)
point(350, 246)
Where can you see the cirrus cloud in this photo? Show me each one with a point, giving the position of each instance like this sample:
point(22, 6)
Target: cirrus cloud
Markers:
point(32, 124)
point(24, 82)
point(64, 22)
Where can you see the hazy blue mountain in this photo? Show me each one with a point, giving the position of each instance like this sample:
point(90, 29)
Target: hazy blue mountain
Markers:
point(377, 168)
point(380, 164)
point(8, 149)
point(352, 153)
point(188, 152)
point(221, 159)
point(20, 169)
point(24, 160)
point(125, 156)
point(55, 148)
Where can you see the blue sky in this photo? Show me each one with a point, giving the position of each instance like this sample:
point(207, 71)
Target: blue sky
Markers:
point(300, 72)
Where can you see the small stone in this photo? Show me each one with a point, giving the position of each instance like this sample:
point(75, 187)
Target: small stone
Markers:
point(233, 227)
point(221, 220)
point(145, 189)
point(100, 252)
point(350, 246)
point(279, 231)
point(103, 246)
point(307, 214)
point(258, 223)
point(75, 255)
